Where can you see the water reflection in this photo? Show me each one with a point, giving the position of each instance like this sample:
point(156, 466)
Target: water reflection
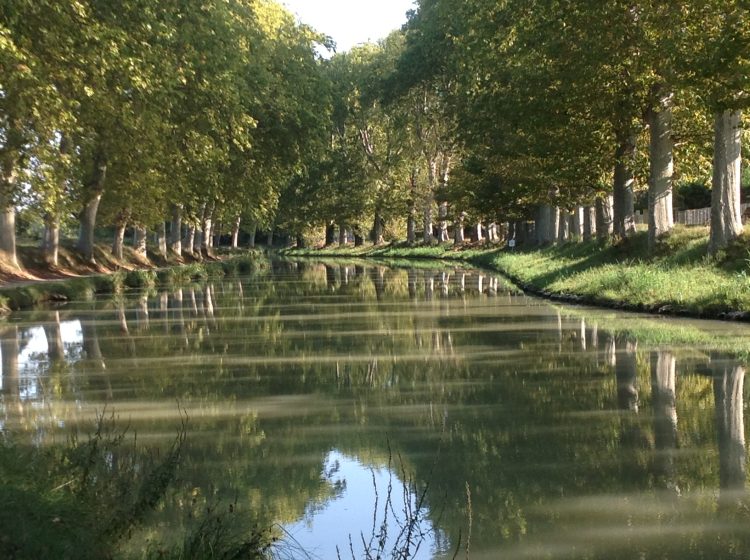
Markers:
point(573, 435)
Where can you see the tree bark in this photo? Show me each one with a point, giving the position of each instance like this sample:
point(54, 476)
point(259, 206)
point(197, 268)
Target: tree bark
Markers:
point(377, 229)
point(207, 237)
point(427, 223)
point(443, 222)
point(51, 239)
point(726, 215)
point(119, 238)
point(589, 223)
point(478, 235)
point(342, 235)
point(541, 224)
point(189, 241)
point(553, 226)
point(623, 209)
point(175, 230)
point(576, 228)
point(458, 229)
point(330, 234)
point(139, 244)
point(236, 232)
point(563, 227)
point(161, 236)
point(604, 217)
point(95, 189)
point(660, 217)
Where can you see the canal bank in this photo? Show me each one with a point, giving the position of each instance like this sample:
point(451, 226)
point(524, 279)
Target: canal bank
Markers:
point(678, 279)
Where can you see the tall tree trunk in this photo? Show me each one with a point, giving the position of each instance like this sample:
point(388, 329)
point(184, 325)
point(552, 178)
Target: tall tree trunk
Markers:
point(251, 235)
point(604, 217)
point(623, 205)
point(589, 223)
point(541, 224)
point(216, 234)
point(478, 237)
point(139, 243)
point(330, 233)
point(492, 232)
point(175, 230)
point(270, 238)
point(207, 238)
point(442, 222)
point(576, 228)
point(95, 189)
point(51, 239)
point(188, 241)
point(359, 240)
point(342, 235)
point(119, 238)
point(236, 232)
point(161, 239)
point(726, 216)
point(411, 219)
point(8, 233)
point(458, 228)
point(377, 229)
point(563, 227)
point(427, 223)
point(553, 226)
point(660, 218)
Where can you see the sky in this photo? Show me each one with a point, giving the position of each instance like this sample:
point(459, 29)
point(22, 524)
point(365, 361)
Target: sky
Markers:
point(350, 22)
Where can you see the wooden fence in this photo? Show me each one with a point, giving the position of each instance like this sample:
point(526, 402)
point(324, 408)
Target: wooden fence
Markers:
point(697, 217)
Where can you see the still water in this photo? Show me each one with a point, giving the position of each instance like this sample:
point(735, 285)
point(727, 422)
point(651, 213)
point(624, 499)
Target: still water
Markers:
point(357, 407)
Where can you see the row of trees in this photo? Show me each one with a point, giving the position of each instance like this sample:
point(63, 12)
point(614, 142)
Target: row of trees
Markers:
point(479, 112)
point(552, 112)
point(138, 112)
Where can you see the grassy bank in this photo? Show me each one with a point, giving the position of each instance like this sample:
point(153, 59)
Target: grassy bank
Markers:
point(679, 278)
point(31, 293)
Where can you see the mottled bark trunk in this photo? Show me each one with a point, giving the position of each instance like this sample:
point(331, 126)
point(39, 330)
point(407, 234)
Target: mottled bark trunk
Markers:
point(427, 224)
point(604, 217)
point(458, 228)
point(189, 240)
point(660, 218)
point(563, 227)
point(589, 223)
point(726, 216)
point(541, 224)
point(553, 226)
point(139, 242)
point(119, 239)
point(95, 189)
point(161, 239)
point(207, 224)
point(478, 233)
point(492, 234)
point(442, 234)
point(236, 232)
point(175, 230)
point(342, 236)
point(51, 239)
point(576, 227)
point(8, 164)
point(623, 209)
point(377, 229)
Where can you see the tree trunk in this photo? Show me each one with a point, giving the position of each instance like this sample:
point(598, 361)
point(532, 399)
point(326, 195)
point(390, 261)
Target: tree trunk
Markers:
point(119, 239)
point(95, 189)
point(377, 229)
point(411, 226)
point(236, 232)
point(623, 210)
point(301, 241)
point(330, 234)
point(553, 226)
point(189, 241)
point(443, 222)
point(726, 215)
point(358, 239)
point(563, 227)
point(478, 237)
point(458, 229)
point(541, 224)
point(492, 232)
point(427, 223)
point(216, 234)
point(161, 237)
point(342, 235)
point(604, 210)
point(589, 223)
point(51, 239)
point(175, 230)
point(207, 237)
point(251, 234)
point(139, 244)
point(660, 217)
point(87, 226)
point(576, 228)
point(270, 238)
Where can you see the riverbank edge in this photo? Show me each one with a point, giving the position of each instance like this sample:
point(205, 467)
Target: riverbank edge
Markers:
point(486, 257)
point(29, 294)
